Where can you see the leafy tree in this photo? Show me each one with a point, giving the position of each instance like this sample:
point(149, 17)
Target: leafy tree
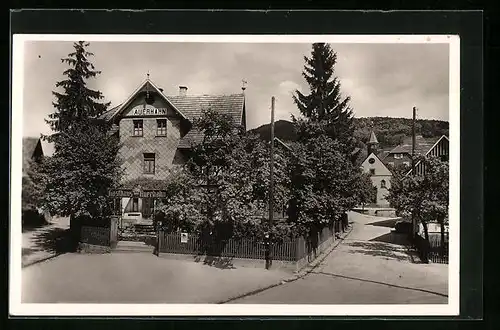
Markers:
point(82, 171)
point(84, 165)
point(226, 180)
point(325, 102)
point(324, 184)
point(423, 196)
point(33, 186)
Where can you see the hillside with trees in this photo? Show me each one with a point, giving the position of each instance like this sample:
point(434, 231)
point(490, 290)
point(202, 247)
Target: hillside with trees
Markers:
point(390, 131)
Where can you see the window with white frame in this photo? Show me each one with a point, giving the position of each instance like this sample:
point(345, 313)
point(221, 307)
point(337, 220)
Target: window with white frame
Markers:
point(138, 128)
point(161, 127)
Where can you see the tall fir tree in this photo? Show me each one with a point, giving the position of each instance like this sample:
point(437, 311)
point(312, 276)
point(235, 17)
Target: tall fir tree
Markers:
point(325, 104)
point(84, 165)
point(77, 102)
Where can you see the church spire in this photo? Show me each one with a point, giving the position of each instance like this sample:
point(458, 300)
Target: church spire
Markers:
point(372, 143)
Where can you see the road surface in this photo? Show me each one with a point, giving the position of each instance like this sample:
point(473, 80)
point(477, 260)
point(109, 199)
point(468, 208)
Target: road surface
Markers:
point(366, 268)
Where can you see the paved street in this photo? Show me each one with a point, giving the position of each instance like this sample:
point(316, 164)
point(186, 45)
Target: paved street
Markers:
point(137, 278)
point(364, 269)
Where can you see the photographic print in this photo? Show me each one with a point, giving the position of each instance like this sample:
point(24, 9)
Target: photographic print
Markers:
point(235, 175)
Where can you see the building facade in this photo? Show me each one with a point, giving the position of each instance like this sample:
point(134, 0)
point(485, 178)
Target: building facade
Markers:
point(401, 154)
point(379, 172)
point(156, 133)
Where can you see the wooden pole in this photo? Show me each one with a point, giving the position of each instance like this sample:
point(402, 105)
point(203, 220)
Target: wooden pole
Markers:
point(413, 141)
point(271, 189)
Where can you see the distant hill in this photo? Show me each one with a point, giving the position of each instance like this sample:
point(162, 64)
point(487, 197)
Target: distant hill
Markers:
point(390, 131)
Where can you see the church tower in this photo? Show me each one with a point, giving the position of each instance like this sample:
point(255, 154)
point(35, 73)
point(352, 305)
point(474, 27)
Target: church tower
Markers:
point(372, 143)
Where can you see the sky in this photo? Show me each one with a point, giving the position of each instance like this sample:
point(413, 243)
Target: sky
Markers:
point(381, 79)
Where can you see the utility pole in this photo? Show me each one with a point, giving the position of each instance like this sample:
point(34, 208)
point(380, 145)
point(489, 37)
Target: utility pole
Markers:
point(413, 141)
point(269, 258)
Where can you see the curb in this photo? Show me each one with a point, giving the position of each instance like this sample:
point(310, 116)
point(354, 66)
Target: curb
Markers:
point(302, 273)
point(37, 261)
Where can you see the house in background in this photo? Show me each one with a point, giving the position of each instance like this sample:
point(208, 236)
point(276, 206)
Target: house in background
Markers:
point(156, 135)
point(401, 154)
point(379, 173)
point(32, 152)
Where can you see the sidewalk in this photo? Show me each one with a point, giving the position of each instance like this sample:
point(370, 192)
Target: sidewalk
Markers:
point(42, 243)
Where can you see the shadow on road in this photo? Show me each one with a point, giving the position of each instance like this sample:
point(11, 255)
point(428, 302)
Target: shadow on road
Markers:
point(379, 249)
point(217, 262)
point(390, 223)
point(55, 240)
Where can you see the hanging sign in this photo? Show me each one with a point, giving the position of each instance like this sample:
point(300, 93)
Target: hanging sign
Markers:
point(147, 110)
point(184, 237)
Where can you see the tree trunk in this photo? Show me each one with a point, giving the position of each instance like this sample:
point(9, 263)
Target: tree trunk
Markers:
point(441, 223)
point(425, 245)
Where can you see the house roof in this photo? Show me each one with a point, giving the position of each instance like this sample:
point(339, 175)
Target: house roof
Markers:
point(191, 107)
point(29, 146)
point(422, 145)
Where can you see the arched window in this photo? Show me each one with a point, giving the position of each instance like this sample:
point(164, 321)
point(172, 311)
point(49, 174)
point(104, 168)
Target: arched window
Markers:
point(382, 184)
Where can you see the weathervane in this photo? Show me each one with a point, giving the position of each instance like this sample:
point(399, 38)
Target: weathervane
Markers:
point(243, 84)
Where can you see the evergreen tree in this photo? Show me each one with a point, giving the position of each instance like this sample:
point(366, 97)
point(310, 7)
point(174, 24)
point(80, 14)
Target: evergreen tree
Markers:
point(84, 165)
point(325, 103)
point(77, 102)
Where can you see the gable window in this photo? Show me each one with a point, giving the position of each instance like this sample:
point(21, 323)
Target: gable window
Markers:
point(149, 163)
point(398, 156)
point(372, 171)
point(382, 184)
point(138, 128)
point(161, 127)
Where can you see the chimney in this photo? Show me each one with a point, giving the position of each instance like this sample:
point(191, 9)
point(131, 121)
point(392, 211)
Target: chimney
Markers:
point(182, 90)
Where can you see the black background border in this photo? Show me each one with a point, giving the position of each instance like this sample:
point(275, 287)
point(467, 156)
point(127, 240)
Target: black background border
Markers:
point(467, 24)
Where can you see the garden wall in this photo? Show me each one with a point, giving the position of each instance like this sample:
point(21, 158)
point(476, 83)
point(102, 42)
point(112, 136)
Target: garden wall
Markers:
point(98, 238)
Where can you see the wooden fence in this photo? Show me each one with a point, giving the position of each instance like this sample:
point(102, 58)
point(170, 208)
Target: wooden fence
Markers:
point(248, 248)
point(431, 251)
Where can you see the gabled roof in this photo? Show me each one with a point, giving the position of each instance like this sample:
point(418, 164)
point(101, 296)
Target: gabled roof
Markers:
point(29, 146)
point(112, 113)
point(190, 107)
point(422, 145)
point(435, 144)
point(193, 106)
point(378, 158)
